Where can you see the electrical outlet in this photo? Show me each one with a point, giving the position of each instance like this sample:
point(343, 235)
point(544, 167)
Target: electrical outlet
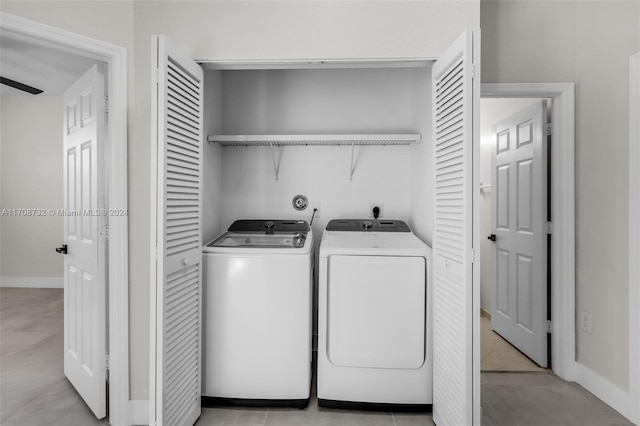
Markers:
point(378, 205)
point(585, 321)
point(315, 206)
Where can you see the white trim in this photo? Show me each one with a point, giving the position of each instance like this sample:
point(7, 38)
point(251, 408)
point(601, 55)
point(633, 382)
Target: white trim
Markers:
point(606, 391)
point(118, 280)
point(562, 211)
point(153, 234)
point(139, 412)
point(634, 239)
point(32, 282)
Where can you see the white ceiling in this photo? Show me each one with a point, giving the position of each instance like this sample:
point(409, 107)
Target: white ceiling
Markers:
point(40, 66)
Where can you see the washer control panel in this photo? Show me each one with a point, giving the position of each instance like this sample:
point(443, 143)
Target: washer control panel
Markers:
point(368, 225)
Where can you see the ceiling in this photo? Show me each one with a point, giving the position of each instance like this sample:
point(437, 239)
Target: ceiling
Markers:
point(42, 67)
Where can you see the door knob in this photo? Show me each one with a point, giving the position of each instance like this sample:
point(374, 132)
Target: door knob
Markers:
point(492, 237)
point(62, 250)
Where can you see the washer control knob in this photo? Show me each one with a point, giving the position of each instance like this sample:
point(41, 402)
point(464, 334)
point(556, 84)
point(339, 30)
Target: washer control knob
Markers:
point(367, 224)
point(298, 240)
point(269, 225)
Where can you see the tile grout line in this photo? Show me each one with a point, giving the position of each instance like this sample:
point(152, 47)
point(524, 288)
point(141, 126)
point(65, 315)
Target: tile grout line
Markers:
point(394, 419)
point(266, 414)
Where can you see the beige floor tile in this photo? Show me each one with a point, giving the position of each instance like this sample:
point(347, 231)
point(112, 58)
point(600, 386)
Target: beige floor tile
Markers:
point(499, 355)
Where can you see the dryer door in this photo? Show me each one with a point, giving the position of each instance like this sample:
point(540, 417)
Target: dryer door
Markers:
point(376, 311)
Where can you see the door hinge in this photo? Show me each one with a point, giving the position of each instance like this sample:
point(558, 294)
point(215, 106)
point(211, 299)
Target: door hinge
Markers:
point(107, 362)
point(473, 70)
point(473, 256)
point(106, 104)
point(549, 326)
point(156, 76)
point(548, 129)
point(548, 228)
point(104, 233)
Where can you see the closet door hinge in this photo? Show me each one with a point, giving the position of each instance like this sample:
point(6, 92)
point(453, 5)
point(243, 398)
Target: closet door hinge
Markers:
point(548, 228)
point(107, 362)
point(104, 233)
point(473, 70)
point(473, 256)
point(548, 326)
point(548, 129)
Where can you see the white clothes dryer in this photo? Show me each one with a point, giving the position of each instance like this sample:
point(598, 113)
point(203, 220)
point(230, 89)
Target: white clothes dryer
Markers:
point(374, 331)
point(258, 290)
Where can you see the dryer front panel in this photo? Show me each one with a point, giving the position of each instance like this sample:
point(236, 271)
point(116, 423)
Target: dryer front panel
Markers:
point(376, 311)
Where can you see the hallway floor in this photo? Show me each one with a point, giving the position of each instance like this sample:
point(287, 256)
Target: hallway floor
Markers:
point(34, 391)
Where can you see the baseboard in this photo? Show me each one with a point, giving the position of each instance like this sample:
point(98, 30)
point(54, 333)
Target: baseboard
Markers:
point(139, 412)
point(606, 391)
point(485, 313)
point(32, 282)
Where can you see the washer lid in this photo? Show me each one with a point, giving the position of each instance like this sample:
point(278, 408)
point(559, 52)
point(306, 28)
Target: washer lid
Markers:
point(373, 244)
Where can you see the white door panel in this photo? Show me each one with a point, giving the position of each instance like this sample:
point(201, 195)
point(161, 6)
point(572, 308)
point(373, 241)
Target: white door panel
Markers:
point(177, 124)
point(84, 273)
point(456, 95)
point(366, 294)
point(519, 169)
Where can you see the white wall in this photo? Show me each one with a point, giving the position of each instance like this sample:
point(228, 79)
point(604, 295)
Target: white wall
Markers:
point(491, 112)
point(322, 101)
point(31, 144)
point(589, 43)
point(212, 164)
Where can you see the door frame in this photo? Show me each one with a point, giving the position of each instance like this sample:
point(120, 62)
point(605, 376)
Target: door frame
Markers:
point(118, 270)
point(563, 345)
point(634, 239)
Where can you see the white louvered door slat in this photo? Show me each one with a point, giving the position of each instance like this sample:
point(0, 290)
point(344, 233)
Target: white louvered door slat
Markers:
point(453, 347)
point(178, 97)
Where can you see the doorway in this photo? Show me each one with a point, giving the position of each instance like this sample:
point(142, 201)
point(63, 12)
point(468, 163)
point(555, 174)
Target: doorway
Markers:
point(513, 245)
point(40, 36)
point(562, 200)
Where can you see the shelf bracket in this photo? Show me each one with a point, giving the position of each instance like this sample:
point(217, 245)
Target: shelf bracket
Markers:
point(276, 163)
point(353, 166)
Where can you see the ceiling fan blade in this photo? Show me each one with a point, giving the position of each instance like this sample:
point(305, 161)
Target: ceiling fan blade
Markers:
point(20, 86)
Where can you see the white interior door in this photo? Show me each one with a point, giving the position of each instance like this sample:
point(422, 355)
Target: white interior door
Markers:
point(518, 216)
point(456, 370)
point(84, 224)
point(177, 173)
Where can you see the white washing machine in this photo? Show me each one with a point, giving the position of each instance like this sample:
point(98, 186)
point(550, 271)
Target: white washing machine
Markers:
point(257, 314)
point(374, 331)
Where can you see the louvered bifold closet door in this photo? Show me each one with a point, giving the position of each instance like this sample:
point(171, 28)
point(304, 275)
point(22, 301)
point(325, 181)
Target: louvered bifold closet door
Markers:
point(178, 274)
point(452, 241)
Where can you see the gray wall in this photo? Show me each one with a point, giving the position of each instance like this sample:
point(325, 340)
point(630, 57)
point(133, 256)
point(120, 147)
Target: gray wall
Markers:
point(31, 168)
point(268, 30)
point(588, 42)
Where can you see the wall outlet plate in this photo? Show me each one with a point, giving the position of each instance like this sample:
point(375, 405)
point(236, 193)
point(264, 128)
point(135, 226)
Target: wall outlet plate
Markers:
point(380, 206)
point(585, 322)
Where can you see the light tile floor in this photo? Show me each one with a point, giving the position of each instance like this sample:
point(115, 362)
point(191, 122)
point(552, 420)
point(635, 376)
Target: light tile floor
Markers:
point(34, 391)
point(498, 355)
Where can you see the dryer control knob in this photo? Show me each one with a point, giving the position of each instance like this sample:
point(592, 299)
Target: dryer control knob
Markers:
point(367, 224)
